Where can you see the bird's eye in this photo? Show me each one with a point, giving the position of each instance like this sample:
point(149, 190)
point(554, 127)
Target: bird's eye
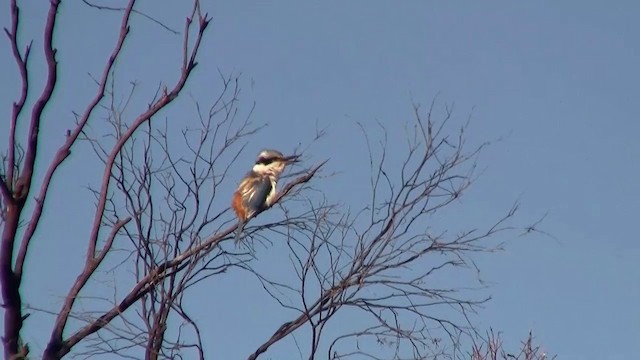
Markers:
point(265, 161)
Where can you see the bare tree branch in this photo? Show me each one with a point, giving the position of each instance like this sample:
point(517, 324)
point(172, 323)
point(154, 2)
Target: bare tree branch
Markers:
point(57, 347)
point(65, 150)
point(491, 348)
point(382, 261)
point(24, 183)
point(112, 8)
point(16, 194)
point(19, 104)
point(166, 269)
point(160, 220)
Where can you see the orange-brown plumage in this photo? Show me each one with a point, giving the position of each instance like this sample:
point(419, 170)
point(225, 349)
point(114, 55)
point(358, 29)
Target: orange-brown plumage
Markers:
point(236, 203)
point(257, 189)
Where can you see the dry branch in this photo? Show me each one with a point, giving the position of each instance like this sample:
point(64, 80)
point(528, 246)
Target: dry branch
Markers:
point(15, 192)
point(382, 261)
point(58, 347)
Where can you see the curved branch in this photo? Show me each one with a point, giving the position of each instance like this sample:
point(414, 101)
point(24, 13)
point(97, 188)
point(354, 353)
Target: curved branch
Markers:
point(56, 345)
point(146, 284)
point(65, 150)
point(24, 183)
point(320, 305)
point(12, 301)
point(382, 262)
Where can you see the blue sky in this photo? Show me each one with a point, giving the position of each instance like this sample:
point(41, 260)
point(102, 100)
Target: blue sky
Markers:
point(554, 84)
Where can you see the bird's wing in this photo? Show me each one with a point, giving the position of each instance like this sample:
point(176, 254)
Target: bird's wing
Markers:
point(256, 195)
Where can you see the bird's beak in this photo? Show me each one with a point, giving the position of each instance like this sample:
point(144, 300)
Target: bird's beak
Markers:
point(291, 159)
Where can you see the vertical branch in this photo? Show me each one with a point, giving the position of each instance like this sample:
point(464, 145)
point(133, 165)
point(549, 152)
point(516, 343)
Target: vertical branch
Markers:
point(19, 104)
point(65, 150)
point(15, 197)
point(167, 193)
point(57, 347)
point(160, 272)
point(12, 302)
point(24, 183)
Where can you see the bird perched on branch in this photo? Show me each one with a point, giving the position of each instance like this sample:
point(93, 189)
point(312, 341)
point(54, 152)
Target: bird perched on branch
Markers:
point(258, 188)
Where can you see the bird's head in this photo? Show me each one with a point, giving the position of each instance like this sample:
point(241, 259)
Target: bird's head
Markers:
point(272, 162)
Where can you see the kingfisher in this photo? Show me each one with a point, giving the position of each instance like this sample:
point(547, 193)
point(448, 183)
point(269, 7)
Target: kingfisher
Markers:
point(258, 188)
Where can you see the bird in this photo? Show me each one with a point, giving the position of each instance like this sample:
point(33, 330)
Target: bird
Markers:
point(257, 189)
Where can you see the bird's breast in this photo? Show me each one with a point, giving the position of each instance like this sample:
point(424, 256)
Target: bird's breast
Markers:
point(272, 191)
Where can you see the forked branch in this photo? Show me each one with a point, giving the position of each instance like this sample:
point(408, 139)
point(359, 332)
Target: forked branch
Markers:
point(56, 347)
point(384, 261)
point(15, 191)
point(162, 271)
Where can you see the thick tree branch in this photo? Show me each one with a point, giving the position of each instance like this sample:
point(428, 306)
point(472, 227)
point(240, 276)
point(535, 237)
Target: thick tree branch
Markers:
point(12, 303)
point(65, 150)
point(160, 272)
point(24, 183)
point(89, 268)
point(13, 318)
point(56, 346)
point(5, 192)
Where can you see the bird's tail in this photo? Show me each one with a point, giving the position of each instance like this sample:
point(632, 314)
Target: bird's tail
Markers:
point(239, 231)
